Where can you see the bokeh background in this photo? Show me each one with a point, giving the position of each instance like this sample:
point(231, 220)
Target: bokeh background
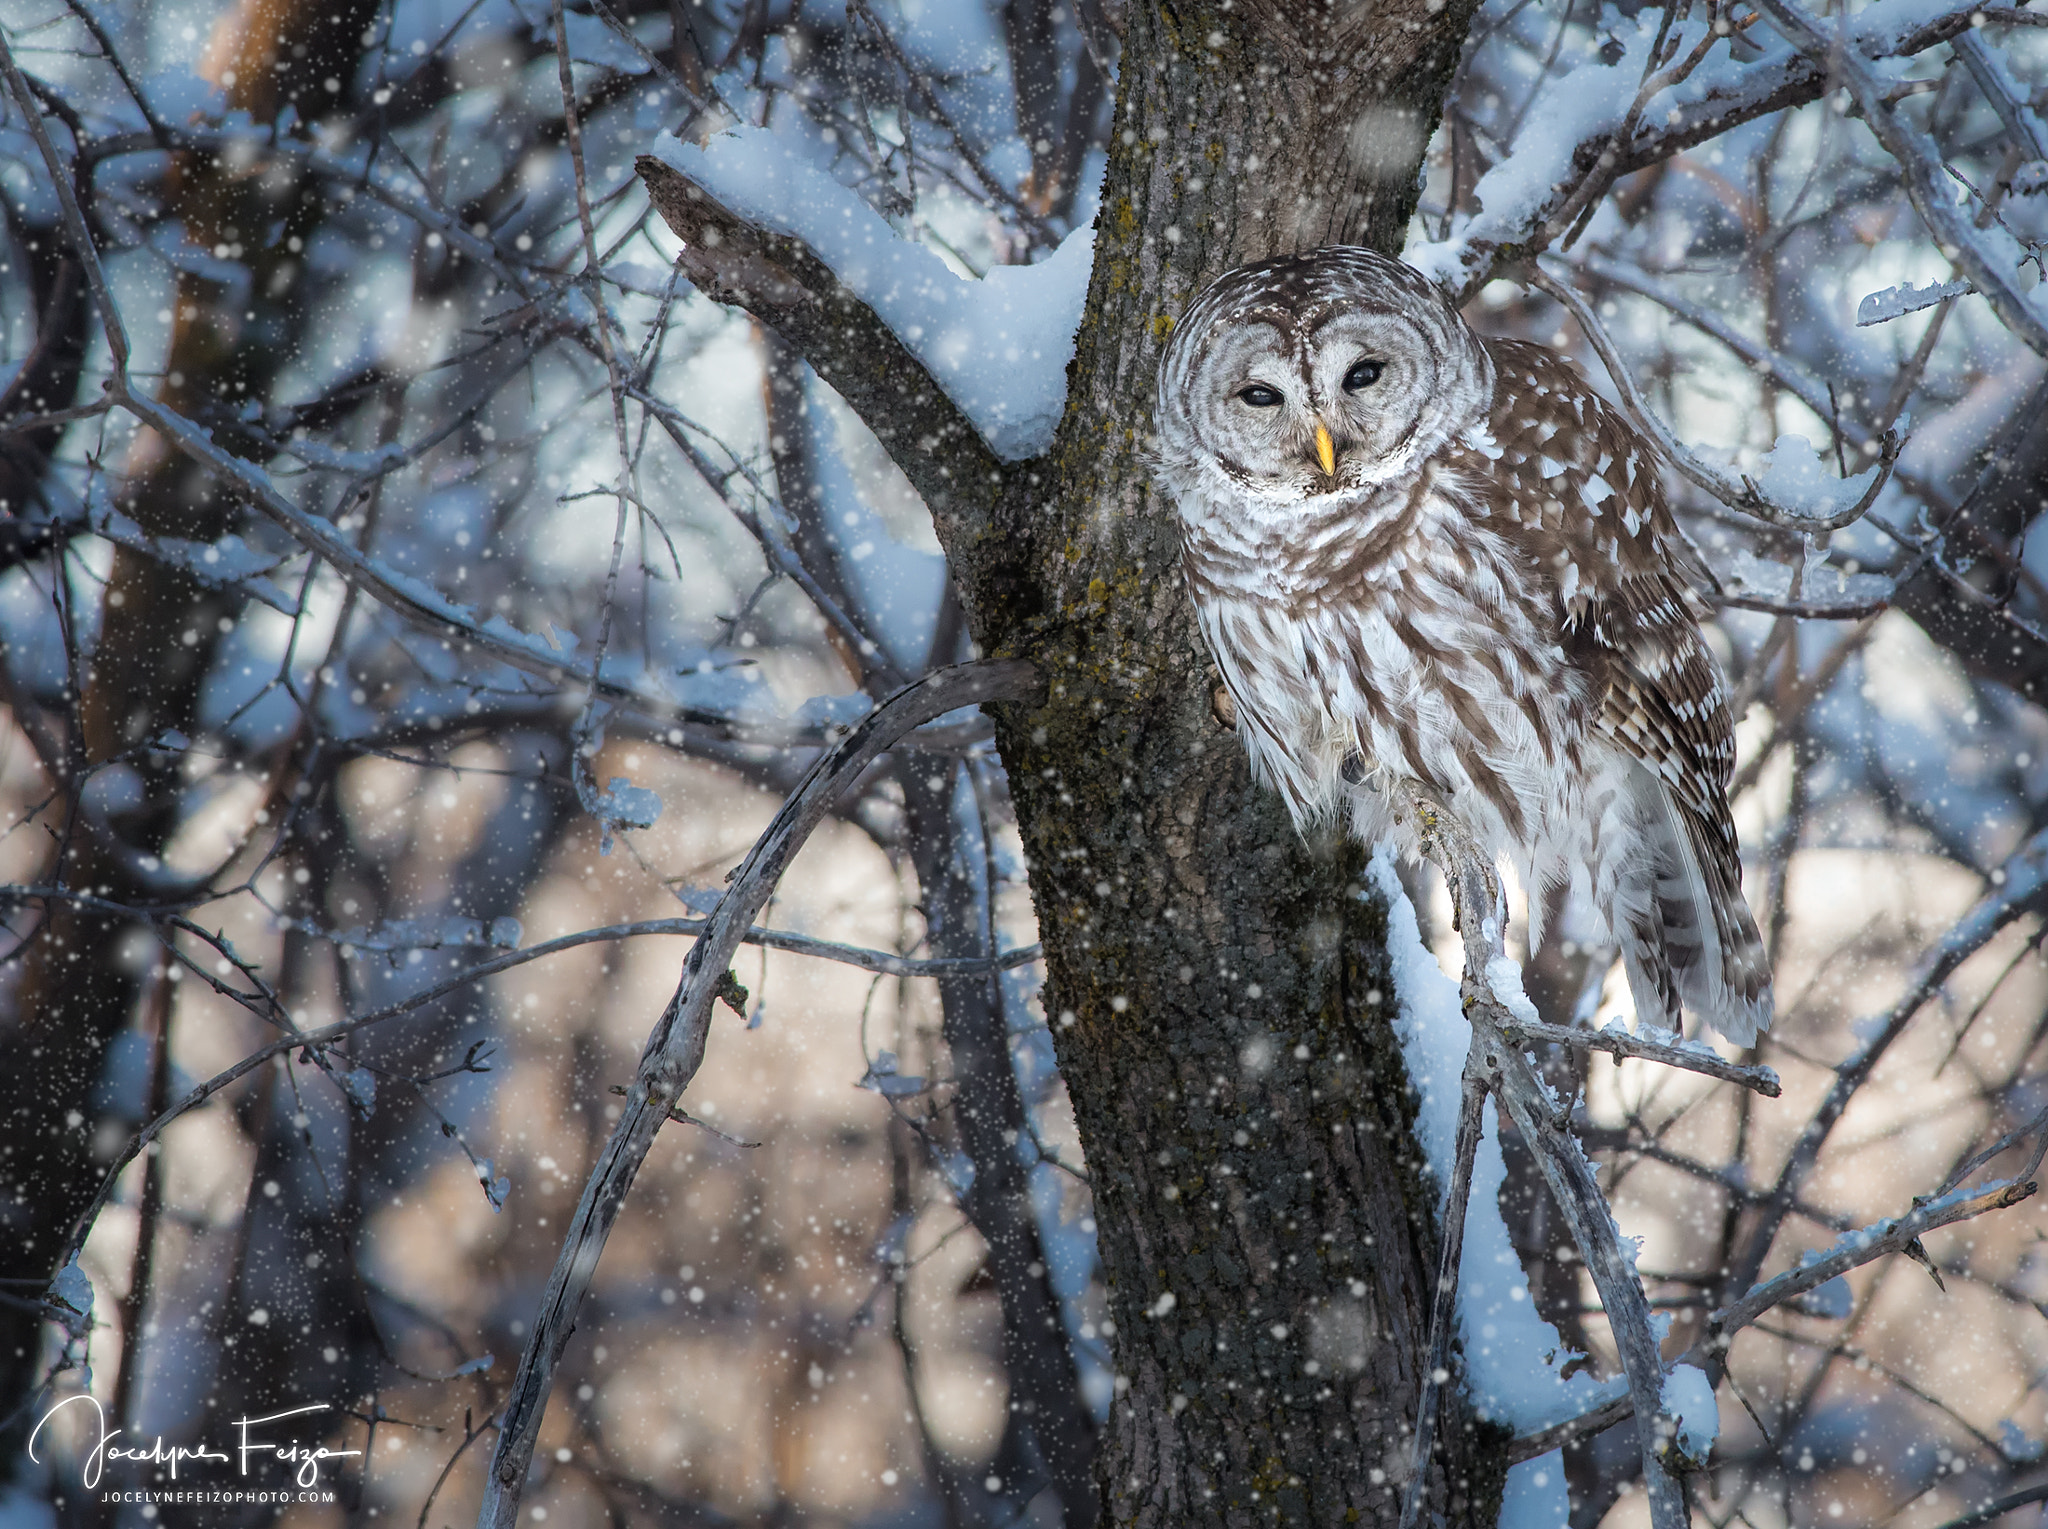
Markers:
point(363, 248)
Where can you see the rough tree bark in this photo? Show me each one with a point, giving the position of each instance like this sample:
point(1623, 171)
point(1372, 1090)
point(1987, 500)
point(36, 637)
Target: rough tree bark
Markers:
point(1218, 989)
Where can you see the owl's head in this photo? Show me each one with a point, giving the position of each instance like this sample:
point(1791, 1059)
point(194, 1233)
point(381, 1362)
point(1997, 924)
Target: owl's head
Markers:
point(1317, 374)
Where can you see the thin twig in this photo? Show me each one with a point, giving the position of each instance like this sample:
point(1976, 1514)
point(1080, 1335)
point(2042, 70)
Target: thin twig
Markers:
point(1619, 1043)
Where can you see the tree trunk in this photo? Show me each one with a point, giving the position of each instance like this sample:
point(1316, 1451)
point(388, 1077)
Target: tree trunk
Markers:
point(1218, 989)
point(159, 629)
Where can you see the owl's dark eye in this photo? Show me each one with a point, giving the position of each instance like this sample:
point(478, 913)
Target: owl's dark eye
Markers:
point(1259, 396)
point(1363, 374)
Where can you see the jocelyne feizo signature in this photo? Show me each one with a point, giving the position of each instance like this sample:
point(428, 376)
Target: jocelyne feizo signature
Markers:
point(255, 1447)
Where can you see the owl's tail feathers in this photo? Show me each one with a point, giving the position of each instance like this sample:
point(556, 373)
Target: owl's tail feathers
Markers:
point(1696, 942)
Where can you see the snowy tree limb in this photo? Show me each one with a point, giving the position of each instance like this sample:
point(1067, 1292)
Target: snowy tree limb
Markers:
point(676, 1047)
point(785, 285)
point(2004, 93)
point(412, 599)
point(1479, 250)
point(1920, 165)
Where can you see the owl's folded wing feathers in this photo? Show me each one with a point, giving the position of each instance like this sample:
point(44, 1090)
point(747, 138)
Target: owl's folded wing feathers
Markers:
point(1584, 501)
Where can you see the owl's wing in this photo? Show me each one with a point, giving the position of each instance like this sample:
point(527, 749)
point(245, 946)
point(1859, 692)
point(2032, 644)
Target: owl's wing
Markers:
point(1581, 496)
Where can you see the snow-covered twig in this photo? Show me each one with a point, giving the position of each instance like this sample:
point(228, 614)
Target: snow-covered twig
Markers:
point(1920, 165)
point(676, 1047)
point(1860, 1247)
point(1619, 1043)
point(1476, 897)
point(2005, 94)
point(1896, 302)
point(1746, 495)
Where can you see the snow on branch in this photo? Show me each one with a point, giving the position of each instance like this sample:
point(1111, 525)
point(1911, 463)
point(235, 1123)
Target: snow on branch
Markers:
point(788, 287)
point(414, 600)
point(1989, 257)
point(1574, 122)
point(998, 346)
point(956, 377)
point(1493, 1001)
point(1894, 1235)
point(1671, 1050)
point(1897, 302)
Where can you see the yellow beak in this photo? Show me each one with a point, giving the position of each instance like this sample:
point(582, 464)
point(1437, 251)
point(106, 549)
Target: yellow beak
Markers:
point(1326, 451)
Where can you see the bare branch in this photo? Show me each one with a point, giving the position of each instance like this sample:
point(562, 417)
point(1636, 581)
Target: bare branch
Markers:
point(1744, 495)
point(74, 215)
point(1859, 1248)
point(1619, 1043)
point(2021, 887)
point(2004, 1505)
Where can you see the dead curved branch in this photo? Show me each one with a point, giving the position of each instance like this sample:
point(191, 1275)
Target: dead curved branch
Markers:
point(675, 1048)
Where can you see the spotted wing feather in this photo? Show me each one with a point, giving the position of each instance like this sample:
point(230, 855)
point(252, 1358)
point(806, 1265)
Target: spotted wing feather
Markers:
point(1583, 500)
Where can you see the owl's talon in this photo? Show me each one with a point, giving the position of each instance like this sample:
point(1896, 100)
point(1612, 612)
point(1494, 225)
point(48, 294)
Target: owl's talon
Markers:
point(1222, 704)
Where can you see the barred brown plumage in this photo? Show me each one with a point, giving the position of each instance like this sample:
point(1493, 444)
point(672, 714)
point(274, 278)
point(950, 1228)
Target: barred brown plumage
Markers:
point(1423, 556)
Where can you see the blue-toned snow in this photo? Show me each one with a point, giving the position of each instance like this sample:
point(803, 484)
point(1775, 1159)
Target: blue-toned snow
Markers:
point(1512, 1356)
point(999, 346)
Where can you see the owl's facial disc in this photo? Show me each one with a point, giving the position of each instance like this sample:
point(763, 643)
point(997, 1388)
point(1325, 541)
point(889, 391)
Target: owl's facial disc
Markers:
point(1314, 403)
point(1371, 372)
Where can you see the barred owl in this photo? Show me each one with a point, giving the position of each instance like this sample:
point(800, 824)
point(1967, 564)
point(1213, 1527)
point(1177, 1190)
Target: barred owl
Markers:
point(1422, 556)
